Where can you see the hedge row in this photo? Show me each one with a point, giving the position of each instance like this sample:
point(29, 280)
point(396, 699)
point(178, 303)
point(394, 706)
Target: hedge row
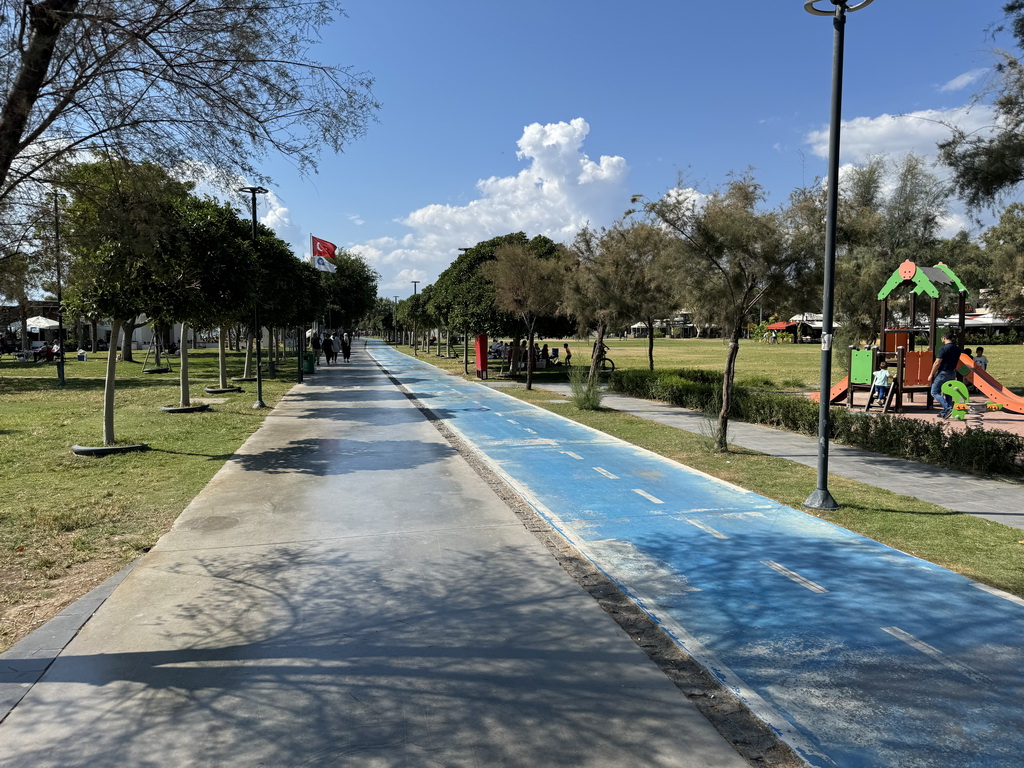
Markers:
point(973, 450)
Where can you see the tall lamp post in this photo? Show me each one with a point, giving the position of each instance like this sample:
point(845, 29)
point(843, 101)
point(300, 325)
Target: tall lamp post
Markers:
point(259, 329)
point(821, 498)
point(415, 335)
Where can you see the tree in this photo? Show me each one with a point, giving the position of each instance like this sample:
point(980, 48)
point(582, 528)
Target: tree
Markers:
point(464, 298)
point(351, 289)
point(211, 84)
point(380, 318)
point(735, 256)
point(651, 276)
point(889, 211)
point(596, 288)
point(120, 223)
point(528, 286)
point(1004, 248)
point(207, 276)
point(989, 165)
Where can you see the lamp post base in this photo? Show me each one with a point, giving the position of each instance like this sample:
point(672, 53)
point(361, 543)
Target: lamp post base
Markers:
point(821, 499)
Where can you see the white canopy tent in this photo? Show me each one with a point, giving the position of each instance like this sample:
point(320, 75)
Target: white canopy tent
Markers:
point(40, 323)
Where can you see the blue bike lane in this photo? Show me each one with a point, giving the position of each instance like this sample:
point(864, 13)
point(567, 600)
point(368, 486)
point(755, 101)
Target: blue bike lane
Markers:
point(858, 655)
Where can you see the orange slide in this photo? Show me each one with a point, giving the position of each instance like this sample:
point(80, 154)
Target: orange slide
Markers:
point(988, 386)
point(838, 393)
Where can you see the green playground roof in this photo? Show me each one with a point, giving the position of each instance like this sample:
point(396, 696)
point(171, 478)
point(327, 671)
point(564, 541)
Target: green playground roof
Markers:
point(922, 280)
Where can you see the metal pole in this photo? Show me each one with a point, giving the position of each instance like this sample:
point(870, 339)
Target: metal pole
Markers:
point(60, 305)
point(821, 498)
point(259, 330)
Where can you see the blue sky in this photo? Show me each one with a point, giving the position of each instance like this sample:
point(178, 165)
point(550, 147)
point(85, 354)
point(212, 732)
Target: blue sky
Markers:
point(542, 115)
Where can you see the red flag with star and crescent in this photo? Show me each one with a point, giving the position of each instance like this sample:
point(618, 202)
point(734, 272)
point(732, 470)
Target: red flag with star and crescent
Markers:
point(324, 248)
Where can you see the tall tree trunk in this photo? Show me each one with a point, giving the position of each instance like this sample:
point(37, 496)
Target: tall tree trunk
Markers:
point(250, 344)
point(530, 355)
point(128, 330)
point(108, 385)
point(95, 323)
point(722, 437)
point(650, 342)
point(595, 355)
point(183, 366)
point(23, 317)
point(517, 349)
point(46, 22)
point(222, 357)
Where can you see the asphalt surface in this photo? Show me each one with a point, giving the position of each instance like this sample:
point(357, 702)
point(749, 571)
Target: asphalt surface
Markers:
point(995, 500)
point(345, 591)
point(857, 654)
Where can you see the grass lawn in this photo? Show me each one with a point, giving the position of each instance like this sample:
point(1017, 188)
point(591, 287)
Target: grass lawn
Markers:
point(980, 549)
point(67, 522)
point(793, 367)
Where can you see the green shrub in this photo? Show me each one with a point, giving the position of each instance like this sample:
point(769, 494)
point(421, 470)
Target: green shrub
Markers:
point(974, 450)
point(586, 394)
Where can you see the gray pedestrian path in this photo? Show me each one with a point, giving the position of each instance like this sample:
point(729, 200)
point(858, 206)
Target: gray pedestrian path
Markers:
point(996, 500)
point(347, 591)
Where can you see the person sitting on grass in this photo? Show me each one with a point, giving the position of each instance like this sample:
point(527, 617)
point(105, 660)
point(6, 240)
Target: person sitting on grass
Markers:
point(880, 381)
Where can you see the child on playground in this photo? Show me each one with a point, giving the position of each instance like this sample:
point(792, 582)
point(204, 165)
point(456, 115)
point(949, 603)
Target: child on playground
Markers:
point(880, 381)
point(980, 360)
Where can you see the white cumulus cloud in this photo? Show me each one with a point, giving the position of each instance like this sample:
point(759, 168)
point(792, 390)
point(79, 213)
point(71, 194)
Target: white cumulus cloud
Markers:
point(559, 191)
point(918, 132)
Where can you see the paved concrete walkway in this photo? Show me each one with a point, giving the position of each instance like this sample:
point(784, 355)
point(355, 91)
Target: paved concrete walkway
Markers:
point(996, 500)
point(346, 591)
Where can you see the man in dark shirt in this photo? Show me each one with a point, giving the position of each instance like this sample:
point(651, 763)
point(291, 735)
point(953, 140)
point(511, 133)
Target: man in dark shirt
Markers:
point(943, 370)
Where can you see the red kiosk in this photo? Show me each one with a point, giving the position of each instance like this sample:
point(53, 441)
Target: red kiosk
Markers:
point(481, 356)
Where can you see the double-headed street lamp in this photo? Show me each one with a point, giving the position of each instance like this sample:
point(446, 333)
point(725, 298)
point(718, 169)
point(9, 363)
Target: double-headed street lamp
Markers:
point(821, 498)
point(259, 329)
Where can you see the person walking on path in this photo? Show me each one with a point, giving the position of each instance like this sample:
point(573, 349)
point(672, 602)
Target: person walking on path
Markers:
point(943, 370)
point(315, 341)
point(346, 347)
point(328, 349)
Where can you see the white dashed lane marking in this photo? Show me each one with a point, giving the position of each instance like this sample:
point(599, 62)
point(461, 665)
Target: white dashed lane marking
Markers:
point(793, 575)
point(935, 653)
point(648, 496)
point(707, 529)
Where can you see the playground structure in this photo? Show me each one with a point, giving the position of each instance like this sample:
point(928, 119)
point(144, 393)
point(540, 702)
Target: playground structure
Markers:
point(911, 366)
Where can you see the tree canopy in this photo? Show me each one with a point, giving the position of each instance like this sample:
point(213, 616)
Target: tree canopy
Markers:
point(179, 82)
point(462, 297)
point(351, 291)
point(735, 256)
point(989, 165)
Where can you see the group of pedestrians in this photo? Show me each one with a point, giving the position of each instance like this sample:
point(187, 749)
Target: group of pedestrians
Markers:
point(330, 345)
point(544, 356)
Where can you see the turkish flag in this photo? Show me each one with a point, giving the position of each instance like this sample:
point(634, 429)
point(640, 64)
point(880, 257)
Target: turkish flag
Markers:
point(325, 249)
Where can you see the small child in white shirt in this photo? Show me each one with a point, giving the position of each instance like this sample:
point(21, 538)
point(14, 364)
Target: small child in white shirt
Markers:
point(980, 360)
point(880, 380)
